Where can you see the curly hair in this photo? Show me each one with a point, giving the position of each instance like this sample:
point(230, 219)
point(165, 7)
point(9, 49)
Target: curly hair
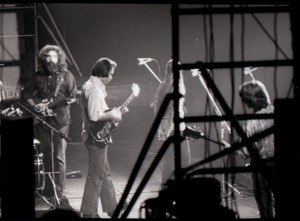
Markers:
point(61, 65)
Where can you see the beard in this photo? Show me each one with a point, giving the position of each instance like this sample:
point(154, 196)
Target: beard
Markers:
point(49, 67)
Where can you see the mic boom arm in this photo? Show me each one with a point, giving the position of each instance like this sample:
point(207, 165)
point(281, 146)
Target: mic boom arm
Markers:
point(196, 72)
point(145, 61)
point(68, 139)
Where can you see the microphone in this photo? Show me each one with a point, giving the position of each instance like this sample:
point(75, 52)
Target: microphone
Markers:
point(144, 60)
point(248, 70)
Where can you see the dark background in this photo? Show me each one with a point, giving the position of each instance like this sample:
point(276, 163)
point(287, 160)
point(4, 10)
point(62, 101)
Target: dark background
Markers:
point(125, 32)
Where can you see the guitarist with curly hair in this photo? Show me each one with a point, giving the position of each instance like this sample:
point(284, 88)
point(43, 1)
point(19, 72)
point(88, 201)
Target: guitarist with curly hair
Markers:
point(49, 93)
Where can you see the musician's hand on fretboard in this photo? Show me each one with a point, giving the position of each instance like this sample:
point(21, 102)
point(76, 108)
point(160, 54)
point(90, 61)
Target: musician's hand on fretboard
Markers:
point(43, 109)
point(124, 109)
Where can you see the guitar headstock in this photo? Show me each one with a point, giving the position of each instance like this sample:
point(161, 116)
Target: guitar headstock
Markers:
point(192, 132)
point(135, 89)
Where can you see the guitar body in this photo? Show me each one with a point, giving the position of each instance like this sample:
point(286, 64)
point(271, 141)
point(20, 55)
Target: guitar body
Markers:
point(101, 130)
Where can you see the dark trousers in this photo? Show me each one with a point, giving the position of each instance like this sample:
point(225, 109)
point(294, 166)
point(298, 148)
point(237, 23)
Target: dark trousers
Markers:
point(53, 148)
point(98, 184)
point(263, 186)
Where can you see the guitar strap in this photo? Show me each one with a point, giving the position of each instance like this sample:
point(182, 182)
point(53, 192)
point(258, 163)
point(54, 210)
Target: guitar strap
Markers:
point(60, 80)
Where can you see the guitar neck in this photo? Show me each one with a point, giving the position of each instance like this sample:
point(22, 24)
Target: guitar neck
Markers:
point(127, 102)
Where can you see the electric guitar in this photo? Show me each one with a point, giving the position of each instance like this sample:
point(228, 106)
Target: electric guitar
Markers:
point(101, 130)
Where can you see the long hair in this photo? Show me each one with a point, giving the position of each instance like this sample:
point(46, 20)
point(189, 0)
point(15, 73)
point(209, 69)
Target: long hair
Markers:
point(168, 80)
point(255, 95)
point(102, 67)
point(167, 85)
point(61, 64)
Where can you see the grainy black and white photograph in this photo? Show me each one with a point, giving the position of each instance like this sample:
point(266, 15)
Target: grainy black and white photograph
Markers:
point(149, 110)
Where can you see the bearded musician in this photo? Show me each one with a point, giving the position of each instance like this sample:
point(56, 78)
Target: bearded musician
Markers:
point(49, 92)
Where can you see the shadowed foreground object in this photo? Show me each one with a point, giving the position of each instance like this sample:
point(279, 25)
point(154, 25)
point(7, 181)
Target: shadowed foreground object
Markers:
point(58, 214)
point(287, 159)
point(189, 199)
point(17, 169)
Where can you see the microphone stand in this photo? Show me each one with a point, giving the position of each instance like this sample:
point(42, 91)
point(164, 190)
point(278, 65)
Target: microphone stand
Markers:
point(213, 141)
point(45, 123)
point(224, 125)
point(147, 66)
point(52, 173)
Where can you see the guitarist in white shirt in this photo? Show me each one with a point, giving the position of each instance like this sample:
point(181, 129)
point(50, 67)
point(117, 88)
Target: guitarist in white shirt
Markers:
point(94, 108)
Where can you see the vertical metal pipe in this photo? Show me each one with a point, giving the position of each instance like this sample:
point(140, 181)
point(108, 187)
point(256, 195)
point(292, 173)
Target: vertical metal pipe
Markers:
point(176, 95)
point(35, 35)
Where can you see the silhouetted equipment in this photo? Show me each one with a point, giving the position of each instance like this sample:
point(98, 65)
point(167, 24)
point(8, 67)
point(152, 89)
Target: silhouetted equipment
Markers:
point(188, 199)
point(287, 159)
point(61, 214)
point(17, 176)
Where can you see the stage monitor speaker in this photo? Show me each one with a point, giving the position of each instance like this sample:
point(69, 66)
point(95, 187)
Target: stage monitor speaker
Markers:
point(17, 169)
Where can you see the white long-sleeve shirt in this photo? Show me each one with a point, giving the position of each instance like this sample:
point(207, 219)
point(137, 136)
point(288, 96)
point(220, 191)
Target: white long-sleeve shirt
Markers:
point(92, 101)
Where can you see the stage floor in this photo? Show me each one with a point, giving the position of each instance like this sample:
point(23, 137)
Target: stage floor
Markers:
point(122, 157)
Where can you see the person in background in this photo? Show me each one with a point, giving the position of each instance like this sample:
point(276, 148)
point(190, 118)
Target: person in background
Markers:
point(256, 97)
point(95, 112)
point(49, 93)
point(166, 127)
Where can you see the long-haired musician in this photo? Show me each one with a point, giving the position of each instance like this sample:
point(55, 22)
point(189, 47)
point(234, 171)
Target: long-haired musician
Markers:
point(48, 93)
